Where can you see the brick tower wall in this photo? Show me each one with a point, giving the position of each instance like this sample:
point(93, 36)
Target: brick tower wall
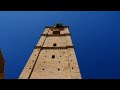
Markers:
point(53, 62)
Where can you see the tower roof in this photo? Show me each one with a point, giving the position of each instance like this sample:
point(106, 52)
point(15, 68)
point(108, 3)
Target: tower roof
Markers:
point(56, 27)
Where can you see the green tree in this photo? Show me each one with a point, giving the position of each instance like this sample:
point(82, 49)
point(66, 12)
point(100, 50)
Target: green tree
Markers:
point(59, 25)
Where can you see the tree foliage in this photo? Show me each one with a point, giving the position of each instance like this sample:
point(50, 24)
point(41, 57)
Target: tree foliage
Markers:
point(59, 25)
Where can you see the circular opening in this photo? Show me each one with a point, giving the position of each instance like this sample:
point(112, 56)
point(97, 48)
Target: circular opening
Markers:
point(53, 56)
point(45, 56)
point(59, 61)
point(32, 61)
point(29, 68)
point(35, 55)
point(44, 61)
point(54, 44)
point(58, 69)
point(42, 69)
point(72, 67)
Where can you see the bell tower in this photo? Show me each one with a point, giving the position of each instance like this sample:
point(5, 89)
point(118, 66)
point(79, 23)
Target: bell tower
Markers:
point(53, 57)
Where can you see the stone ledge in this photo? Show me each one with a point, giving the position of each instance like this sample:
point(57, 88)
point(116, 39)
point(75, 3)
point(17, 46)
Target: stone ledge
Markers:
point(53, 47)
point(56, 27)
point(55, 34)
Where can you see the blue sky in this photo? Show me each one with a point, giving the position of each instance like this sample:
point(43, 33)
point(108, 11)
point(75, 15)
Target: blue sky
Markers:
point(95, 35)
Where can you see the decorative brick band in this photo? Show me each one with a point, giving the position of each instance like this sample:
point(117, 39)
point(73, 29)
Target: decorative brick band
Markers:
point(55, 34)
point(53, 47)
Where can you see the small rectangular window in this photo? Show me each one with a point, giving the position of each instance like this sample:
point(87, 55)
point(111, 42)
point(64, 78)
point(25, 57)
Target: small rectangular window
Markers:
point(56, 32)
point(54, 44)
point(53, 56)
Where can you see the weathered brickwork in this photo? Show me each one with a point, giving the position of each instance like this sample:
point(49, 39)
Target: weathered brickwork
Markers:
point(53, 63)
